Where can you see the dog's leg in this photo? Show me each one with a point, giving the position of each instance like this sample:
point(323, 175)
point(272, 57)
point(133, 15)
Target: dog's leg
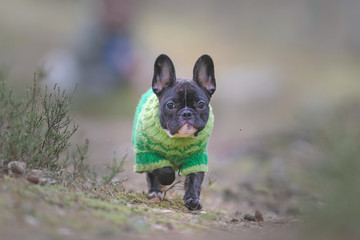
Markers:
point(153, 186)
point(193, 183)
point(163, 176)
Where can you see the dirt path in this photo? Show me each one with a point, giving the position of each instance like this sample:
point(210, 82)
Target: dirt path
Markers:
point(107, 212)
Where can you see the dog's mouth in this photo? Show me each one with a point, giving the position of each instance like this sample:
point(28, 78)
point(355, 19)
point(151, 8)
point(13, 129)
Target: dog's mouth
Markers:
point(187, 130)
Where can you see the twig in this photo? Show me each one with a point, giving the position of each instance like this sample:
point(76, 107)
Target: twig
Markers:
point(110, 192)
point(163, 197)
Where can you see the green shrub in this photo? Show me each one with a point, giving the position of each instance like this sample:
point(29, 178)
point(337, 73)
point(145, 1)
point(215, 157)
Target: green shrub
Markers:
point(35, 128)
point(115, 168)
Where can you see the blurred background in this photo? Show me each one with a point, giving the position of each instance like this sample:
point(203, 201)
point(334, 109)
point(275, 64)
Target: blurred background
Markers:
point(286, 107)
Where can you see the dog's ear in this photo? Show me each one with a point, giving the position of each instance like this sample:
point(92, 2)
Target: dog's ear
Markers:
point(203, 74)
point(164, 74)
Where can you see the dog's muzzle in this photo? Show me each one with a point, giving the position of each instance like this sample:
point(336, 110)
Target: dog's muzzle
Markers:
point(186, 130)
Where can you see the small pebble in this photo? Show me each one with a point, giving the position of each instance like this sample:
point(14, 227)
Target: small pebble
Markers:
point(16, 168)
point(34, 176)
point(44, 181)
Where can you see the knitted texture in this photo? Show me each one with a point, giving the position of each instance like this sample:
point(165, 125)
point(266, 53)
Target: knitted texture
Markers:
point(155, 149)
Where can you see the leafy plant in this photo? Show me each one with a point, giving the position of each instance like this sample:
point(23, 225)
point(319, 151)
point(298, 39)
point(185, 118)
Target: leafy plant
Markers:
point(35, 128)
point(115, 168)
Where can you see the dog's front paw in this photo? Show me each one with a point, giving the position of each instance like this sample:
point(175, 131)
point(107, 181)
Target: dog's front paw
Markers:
point(193, 204)
point(155, 194)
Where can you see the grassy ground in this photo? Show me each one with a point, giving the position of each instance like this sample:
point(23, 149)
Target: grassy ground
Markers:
point(81, 212)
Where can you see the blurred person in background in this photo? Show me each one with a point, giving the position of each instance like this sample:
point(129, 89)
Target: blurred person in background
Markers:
point(102, 58)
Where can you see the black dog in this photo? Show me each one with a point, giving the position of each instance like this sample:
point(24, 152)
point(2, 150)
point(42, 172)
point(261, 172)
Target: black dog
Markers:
point(176, 134)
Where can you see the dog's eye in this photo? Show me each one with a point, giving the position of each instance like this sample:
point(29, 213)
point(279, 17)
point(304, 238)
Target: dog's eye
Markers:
point(170, 105)
point(201, 105)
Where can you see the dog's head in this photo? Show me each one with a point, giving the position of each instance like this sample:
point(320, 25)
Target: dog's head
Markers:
point(183, 103)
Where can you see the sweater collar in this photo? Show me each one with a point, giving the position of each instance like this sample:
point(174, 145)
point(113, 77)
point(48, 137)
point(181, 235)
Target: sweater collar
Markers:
point(152, 127)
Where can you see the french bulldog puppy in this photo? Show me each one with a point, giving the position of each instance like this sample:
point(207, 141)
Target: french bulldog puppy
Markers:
point(173, 122)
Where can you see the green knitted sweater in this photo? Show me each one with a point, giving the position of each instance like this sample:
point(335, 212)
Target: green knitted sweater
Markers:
point(155, 149)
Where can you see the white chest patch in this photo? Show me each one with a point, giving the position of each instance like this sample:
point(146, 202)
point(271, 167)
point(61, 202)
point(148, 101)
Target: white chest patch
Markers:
point(185, 131)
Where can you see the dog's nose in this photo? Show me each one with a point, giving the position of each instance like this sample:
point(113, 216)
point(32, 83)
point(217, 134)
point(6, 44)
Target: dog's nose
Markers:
point(186, 114)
